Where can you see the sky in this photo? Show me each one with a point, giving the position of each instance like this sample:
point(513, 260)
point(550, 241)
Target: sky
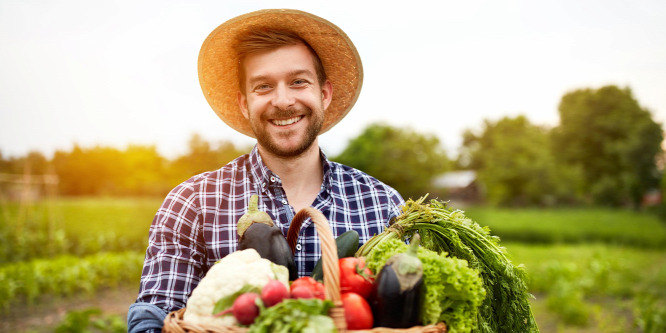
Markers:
point(114, 73)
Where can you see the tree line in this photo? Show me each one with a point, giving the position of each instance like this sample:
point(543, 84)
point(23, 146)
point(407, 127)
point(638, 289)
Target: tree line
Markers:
point(135, 171)
point(605, 150)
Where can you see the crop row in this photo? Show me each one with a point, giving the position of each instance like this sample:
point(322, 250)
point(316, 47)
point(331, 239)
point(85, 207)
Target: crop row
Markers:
point(67, 275)
point(574, 280)
point(80, 227)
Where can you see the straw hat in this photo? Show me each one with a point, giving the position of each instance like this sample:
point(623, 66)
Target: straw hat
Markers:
point(218, 62)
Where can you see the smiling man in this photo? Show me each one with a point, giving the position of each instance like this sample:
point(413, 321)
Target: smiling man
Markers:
point(283, 77)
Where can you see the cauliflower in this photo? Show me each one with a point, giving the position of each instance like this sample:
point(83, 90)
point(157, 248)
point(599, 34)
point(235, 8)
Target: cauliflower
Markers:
point(226, 277)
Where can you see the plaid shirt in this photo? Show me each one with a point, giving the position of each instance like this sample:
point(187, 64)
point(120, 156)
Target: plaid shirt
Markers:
point(196, 224)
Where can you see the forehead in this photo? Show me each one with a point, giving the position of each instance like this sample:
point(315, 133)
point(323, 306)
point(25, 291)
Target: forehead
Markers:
point(279, 61)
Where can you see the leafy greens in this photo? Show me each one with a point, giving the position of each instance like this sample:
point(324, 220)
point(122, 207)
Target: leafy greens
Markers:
point(295, 315)
point(506, 307)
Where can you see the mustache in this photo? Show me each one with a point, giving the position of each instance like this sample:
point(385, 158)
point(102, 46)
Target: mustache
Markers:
point(288, 113)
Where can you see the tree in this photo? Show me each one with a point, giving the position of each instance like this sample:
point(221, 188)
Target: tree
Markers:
point(89, 171)
point(613, 140)
point(145, 172)
point(400, 157)
point(138, 170)
point(5, 165)
point(514, 164)
point(34, 163)
point(202, 156)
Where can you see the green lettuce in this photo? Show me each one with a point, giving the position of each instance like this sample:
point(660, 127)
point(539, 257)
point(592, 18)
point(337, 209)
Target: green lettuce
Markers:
point(454, 291)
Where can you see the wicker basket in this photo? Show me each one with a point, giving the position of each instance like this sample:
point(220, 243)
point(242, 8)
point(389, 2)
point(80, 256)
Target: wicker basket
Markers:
point(174, 322)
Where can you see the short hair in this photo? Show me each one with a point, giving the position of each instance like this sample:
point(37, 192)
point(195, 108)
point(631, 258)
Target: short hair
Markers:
point(262, 40)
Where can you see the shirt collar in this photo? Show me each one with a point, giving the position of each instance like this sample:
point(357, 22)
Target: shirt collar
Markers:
point(261, 173)
point(266, 178)
point(328, 171)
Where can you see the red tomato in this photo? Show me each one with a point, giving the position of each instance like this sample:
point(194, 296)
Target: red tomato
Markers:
point(358, 314)
point(355, 277)
point(317, 288)
point(302, 292)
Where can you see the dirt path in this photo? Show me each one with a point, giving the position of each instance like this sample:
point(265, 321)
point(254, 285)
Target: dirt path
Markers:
point(46, 313)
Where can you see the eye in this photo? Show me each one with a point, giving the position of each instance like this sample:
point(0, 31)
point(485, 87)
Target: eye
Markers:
point(300, 82)
point(262, 87)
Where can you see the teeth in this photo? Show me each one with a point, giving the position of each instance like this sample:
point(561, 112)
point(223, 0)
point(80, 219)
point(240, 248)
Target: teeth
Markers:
point(285, 122)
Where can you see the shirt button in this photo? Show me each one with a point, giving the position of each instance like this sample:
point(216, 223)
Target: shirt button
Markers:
point(298, 247)
point(284, 202)
point(272, 179)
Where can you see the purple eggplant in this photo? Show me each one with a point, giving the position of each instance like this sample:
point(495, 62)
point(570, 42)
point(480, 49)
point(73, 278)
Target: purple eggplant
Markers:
point(257, 231)
point(397, 294)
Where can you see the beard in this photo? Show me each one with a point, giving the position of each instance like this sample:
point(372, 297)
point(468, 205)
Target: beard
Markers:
point(270, 143)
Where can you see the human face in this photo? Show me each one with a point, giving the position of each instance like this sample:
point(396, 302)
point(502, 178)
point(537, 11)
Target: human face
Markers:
point(283, 99)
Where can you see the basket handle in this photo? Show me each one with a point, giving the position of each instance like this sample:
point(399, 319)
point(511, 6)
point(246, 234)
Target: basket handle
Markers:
point(292, 233)
point(329, 255)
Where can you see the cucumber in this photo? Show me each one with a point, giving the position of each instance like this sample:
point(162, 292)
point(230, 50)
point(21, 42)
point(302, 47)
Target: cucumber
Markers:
point(347, 244)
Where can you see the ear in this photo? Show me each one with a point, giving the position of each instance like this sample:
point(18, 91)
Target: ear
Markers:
point(242, 104)
point(326, 94)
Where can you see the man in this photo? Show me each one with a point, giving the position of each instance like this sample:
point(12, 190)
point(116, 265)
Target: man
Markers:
point(283, 77)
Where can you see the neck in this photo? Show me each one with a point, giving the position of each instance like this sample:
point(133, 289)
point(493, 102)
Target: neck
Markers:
point(301, 175)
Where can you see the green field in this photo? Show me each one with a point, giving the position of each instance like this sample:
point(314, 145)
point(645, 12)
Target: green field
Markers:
point(82, 226)
point(598, 287)
point(573, 226)
point(591, 270)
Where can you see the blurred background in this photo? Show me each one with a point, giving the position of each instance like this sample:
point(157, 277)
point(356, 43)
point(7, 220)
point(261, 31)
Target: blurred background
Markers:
point(543, 121)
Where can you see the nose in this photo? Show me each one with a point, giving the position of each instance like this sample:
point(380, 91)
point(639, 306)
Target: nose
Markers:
point(283, 97)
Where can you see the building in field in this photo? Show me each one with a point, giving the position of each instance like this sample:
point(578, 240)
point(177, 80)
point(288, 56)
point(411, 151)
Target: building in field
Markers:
point(459, 186)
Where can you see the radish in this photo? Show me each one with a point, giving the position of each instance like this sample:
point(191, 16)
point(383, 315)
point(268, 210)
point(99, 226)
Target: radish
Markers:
point(244, 309)
point(274, 292)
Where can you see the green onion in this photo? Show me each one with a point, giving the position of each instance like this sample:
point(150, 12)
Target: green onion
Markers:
point(506, 307)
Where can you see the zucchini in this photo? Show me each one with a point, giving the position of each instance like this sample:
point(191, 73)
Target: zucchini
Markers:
point(347, 244)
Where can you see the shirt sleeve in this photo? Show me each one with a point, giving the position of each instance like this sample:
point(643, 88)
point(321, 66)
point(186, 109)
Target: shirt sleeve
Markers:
point(175, 258)
point(396, 202)
point(145, 318)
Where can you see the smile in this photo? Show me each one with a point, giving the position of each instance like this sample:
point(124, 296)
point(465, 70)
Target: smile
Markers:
point(285, 122)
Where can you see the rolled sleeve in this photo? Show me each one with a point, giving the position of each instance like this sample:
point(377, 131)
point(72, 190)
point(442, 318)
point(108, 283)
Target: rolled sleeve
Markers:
point(145, 318)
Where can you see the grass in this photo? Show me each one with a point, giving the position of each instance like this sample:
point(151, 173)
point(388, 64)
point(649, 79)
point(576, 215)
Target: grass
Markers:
point(78, 226)
point(129, 216)
point(573, 226)
point(120, 223)
point(616, 271)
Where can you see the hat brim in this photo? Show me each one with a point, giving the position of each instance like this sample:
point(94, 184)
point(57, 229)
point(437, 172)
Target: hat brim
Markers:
point(218, 62)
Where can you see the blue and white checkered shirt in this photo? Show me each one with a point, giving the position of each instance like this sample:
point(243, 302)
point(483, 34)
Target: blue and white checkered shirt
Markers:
point(196, 224)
